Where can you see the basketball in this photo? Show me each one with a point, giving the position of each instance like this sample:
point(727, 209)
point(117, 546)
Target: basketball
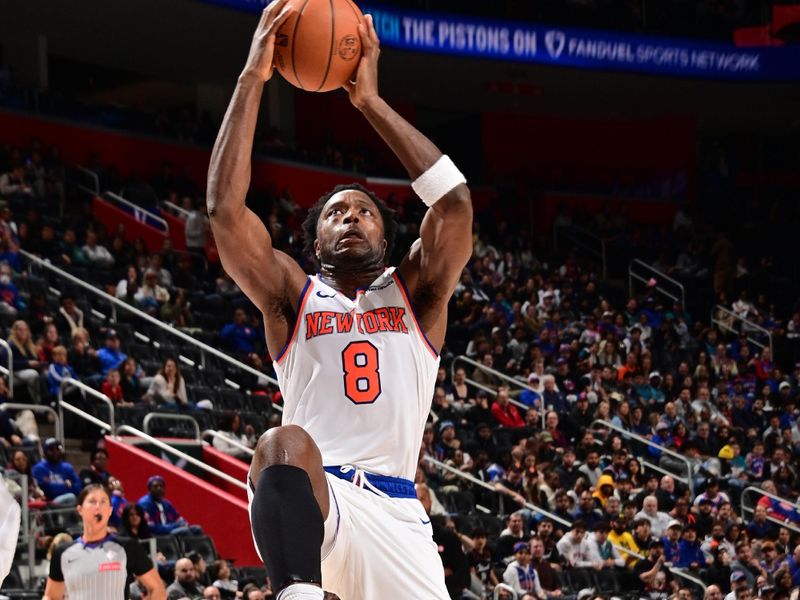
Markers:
point(318, 48)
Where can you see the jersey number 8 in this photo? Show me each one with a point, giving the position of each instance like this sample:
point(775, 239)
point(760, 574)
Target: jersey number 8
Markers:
point(362, 380)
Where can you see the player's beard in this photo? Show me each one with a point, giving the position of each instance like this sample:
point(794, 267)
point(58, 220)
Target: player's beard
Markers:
point(352, 262)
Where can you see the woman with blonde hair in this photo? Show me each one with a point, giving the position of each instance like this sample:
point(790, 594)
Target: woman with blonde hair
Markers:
point(25, 357)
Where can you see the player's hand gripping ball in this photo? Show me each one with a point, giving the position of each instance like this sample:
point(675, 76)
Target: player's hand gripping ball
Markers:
point(318, 47)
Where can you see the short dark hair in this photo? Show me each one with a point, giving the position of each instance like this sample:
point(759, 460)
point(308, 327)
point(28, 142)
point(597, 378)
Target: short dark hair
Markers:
point(312, 219)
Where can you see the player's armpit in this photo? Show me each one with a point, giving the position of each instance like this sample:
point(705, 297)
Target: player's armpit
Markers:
point(246, 252)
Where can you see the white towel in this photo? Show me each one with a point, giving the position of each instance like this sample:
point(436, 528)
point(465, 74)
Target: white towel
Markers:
point(9, 529)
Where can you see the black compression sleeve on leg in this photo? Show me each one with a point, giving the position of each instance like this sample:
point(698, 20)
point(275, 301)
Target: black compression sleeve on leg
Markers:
point(288, 526)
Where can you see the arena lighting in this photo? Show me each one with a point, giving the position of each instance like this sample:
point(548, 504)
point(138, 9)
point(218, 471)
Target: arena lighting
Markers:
point(460, 35)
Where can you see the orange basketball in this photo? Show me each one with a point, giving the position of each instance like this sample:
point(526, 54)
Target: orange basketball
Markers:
point(318, 48)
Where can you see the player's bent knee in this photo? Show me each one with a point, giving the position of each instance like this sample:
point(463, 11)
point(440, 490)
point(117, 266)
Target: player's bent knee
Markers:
point(286, 445)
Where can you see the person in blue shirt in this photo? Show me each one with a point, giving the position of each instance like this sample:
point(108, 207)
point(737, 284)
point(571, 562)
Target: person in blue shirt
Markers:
point(691, 556)
point(111, 357)
point(56, 477)
point(241, 337)
point(161, 516)
point(59, 370)
point(672, 542)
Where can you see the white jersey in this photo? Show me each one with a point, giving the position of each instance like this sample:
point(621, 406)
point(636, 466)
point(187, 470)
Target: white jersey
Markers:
point(358, 376)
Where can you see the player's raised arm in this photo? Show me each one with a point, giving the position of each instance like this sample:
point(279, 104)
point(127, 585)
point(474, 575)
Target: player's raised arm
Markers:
point(445, 245)
point(245, 246)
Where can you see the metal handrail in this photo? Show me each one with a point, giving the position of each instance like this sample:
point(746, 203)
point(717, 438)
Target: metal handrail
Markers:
point(170, 417)
point(568, 229)
point(181, 212)
point(643, 440)
point(662, 277)
point(217, 434)
point(59, 431)
point(730, 315)
point(751, 509)
point(190, 459)
point(62, 404)
point(95, 178)
point(498, 374)
point(10, 369)
point(89, 390)
point(116, 302)
point(546, 513)
point(139, 210)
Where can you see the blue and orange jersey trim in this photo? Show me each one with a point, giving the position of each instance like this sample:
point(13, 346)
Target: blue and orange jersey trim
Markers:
point(301, 304)
point(401, 284)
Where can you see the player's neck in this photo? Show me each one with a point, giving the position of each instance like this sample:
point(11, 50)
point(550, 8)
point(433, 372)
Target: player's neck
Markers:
point(347, 280)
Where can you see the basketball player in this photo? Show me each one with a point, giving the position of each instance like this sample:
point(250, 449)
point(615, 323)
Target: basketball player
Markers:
point(355, 348)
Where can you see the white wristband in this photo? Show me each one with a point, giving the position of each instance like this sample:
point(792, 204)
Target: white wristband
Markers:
point(434, 183)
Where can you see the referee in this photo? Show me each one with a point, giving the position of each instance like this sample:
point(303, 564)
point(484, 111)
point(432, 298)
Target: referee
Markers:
point(97, 566)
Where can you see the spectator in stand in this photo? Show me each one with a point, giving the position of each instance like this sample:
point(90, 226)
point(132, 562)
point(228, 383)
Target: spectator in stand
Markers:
point(47, 342)
point(134, 523)
point(71, 253)
point(26, 363)
point(185, 584)
point(591, 468)
point(131, 279)
point(505, 413)
point(57, 478)
point(659, 521)
point(230, 424)
point(69, 317)
point(20, 463)
point(196, 226)
point(10, 302)
point(163, 276)
point(240, 337)
point(576, 549)
point(97, 255)
point(98, 469)
point(168, 387)
point(513, 533)
point(162, 517)
point(151, 295)
point(586, 512)
point(111, 357)
point(10, 435)
point(58, 371)
point(132, 380)
point(480, 562)
point(520, 575)
point(83, 358)
point(14, 183)
point(112, 388)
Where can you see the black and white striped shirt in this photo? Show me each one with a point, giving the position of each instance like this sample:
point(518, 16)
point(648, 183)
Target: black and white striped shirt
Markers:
point(99, 570)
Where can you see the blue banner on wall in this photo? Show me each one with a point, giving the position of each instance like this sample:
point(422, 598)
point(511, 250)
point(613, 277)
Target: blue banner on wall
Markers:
point(568, 47)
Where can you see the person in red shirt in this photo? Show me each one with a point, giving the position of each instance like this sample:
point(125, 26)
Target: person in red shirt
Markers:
point(505, 413)
point(112, 388)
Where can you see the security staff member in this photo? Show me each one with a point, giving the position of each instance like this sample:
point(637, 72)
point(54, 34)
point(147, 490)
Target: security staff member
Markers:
point(97, 566)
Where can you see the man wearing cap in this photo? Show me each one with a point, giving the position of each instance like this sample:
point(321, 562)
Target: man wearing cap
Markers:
point(160, 514)
point(662, 438)
point(671, 542)
point(691, 553)
point(620, 536)
point(531, 397)
point(520, 574)
point(480, 560)
point(738, 584)
point(110, 357)
point(55, 476)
